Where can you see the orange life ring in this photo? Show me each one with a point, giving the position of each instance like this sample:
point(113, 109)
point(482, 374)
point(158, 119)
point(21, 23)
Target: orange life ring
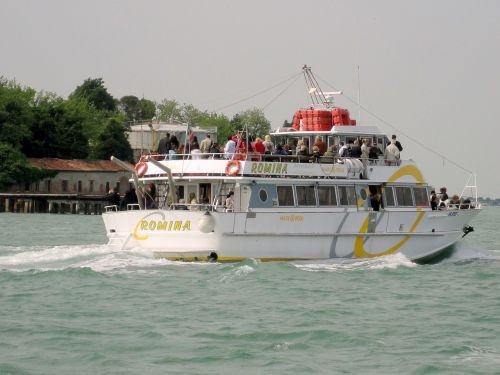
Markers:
point(232, 167)
point(141, 168)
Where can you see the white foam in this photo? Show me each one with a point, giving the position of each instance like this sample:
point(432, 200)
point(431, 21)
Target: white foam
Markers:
point(99, 258)
point(386, 262)
point(51, 254)
point(237, 272)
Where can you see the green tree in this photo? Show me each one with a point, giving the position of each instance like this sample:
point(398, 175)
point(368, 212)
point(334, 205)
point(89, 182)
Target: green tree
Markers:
point(56, 131)
point(113, 142)
point(221, 122)
point(147, 109)
point(94, 91)
point(14, 168)
point(252, 120)
point(16, 112)
point(129, 105)
point(170, 111)
point(92, 120)
point(192, 115)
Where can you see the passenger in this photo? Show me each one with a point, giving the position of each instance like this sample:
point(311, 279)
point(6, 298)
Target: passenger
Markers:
point(205, 146)
point(194, 145)
point(230, 201)
point(181, 152)
point(174, 148)
point(214, 151)
point(193, 202)
point(299, 146)
point(375, 201)
point(303, 154)
point(150, 196)
point(320, 144)
point(343, 150)
point(365, 149)
point(466, 204)
point(398, 145)
point(316, 155)
point(454, 201)
point(443, 197)
point(329, 155)
point(174, 142)
point(279, 150)
point(392, 154)
point(374, 152)
point(259, 146)
point(356, 149)
point(113, 197)
point(286, 149)
point(434, 200)
point(164, 145)
point(129, 198)
point(229, 148)
point(269, 145)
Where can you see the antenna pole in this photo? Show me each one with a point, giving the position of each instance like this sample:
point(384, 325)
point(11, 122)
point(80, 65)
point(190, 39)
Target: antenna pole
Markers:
point(359, 98)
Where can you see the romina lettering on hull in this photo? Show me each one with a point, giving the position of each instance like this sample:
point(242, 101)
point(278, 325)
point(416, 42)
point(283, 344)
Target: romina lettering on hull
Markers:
point(166, 225)
point(278, 168)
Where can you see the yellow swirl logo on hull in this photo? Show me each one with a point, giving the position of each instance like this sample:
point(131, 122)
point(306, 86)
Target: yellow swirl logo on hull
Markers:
point(359, 248)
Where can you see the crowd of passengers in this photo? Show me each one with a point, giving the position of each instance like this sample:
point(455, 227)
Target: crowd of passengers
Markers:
point(257, 149)
point(441, 200)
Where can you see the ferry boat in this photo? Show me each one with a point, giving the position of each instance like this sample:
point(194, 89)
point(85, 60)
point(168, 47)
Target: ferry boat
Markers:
point(288, 207)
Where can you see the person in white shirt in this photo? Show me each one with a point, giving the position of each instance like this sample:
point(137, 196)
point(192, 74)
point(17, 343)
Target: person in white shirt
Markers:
point(229, 148)
point(343, 150)
point(392, 154)
point(230, 201)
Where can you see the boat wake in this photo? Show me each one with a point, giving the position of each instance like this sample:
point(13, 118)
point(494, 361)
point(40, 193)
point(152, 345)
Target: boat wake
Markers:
point(379, 263)
point(459, 253)
point(99, 258)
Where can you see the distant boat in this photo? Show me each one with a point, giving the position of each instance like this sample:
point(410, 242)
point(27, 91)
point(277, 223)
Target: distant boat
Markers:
point(289, 206)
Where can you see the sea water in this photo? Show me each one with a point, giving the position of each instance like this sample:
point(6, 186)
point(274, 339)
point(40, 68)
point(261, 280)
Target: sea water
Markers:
point(70, 305)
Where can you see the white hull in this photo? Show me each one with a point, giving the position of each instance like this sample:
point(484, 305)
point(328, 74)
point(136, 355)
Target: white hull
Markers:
point(344, 233)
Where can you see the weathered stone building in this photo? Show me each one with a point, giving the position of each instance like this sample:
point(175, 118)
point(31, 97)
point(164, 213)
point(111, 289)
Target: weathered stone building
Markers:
point(80, 186)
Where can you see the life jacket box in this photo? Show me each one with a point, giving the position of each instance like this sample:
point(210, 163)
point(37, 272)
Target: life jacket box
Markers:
point(341, 116)
point(296, 120)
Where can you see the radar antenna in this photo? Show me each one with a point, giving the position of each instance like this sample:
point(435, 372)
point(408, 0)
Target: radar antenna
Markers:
point(318, 97)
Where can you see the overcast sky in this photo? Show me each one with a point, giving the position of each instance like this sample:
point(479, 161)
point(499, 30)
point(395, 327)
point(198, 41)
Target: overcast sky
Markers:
point(429, 68)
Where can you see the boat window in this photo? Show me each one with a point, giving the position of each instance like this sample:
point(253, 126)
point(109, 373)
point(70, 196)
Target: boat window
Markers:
point(263, 195)
point(403, 196)
point(421, 198)
point(389, 196)
point(347, 196)
point(327, 196)
point(306, 196)
point(285, 196)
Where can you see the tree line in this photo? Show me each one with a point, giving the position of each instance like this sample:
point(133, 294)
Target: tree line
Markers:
point(90, 124)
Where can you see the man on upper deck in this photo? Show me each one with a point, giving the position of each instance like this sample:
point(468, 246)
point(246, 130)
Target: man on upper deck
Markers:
point(206, 144)
point(229, 148)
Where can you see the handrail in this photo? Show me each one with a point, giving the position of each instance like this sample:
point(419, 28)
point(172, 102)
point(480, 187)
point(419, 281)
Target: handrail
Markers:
point(268, 158)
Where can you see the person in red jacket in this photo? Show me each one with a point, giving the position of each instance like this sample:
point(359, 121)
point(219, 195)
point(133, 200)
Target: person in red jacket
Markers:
point(259, 146)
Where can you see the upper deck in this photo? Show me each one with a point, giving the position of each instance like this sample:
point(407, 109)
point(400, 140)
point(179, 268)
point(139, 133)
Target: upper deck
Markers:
point(214, 166)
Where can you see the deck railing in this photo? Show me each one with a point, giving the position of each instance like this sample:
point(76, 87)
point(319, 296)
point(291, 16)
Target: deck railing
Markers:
point(268, 158)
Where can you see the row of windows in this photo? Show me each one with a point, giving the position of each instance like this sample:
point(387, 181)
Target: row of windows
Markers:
point(66, 188)
point(326, 196)
point(345, 195)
